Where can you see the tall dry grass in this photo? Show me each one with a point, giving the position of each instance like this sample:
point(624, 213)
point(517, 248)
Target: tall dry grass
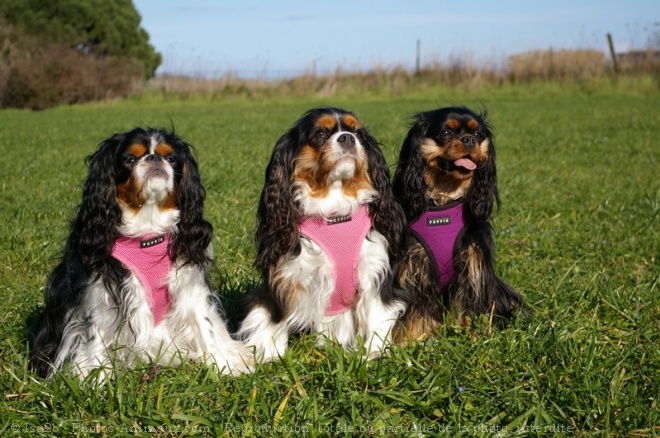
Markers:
point(559, 66)
point(556, 65)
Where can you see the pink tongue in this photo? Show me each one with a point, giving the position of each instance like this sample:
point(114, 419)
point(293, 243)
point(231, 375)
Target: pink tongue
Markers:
point(465, 163)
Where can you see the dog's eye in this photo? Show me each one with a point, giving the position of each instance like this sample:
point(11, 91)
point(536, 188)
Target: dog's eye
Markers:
point(321, 135)
point(130, 159)
point(170, 159)
point(446, 133)
point(480, 135)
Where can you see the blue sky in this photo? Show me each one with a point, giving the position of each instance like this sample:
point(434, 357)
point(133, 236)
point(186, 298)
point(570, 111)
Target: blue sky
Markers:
point(287, 37)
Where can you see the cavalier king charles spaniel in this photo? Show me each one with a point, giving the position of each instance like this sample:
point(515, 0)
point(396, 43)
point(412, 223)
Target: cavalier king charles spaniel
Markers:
point(328, 230)
point(132, 281)
point(447, 185)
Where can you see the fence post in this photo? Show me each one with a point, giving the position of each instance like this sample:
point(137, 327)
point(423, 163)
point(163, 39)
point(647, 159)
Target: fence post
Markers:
point(615, 64)
point(417, 61)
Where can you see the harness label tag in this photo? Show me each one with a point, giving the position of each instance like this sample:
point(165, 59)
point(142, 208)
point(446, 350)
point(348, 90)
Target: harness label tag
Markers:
point(152, 242)
point(339, 220)
point(437, 221)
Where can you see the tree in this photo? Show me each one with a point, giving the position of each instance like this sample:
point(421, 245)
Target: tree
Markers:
point(97, 28)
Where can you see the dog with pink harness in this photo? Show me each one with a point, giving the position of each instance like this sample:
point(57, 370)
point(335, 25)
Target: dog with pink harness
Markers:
point(328, 234)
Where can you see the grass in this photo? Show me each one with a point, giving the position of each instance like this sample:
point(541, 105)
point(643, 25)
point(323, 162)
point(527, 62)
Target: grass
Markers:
point(577, 234)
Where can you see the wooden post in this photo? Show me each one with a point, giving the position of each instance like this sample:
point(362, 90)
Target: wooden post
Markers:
point(417, 62)
point(615, 64)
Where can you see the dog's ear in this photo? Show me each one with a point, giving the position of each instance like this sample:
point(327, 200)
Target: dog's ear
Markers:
point(86, 253)
point(483, 195)
point(194, 233)
point(277, 219)
point(99, 214)
point(385, 212)
point(409, 184)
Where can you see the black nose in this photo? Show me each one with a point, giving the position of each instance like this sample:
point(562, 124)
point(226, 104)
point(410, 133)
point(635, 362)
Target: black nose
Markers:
point(154, 157)
point(469, 141)
point(346, 141)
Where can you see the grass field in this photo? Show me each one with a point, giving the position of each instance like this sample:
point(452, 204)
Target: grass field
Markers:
point(578, 234)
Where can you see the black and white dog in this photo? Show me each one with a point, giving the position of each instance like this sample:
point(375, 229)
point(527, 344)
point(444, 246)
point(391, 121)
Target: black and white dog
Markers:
point(132, 282)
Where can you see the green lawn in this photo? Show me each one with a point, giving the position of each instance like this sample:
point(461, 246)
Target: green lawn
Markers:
point(577, 234)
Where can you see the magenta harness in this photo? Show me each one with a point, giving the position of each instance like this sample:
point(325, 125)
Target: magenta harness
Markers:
point(341, 239)
point(147, 258)
point(437, 230)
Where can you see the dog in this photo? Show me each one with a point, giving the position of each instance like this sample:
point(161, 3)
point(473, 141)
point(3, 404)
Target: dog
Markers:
point(131, 284)
point(446, 183)
point(327, 234)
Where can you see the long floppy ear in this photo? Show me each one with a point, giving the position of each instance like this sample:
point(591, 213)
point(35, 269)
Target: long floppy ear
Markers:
point(277, 220)
point(194, 233)
point(95, 227)
point(386, 213)
point(409, 184)
point(483, 194)
point(86, 255)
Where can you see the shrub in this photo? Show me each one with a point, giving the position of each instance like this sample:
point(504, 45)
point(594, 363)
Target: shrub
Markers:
point(38, 76)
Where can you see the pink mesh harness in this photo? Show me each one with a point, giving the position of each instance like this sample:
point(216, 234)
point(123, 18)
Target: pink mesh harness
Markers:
point(147, 258)
point(341, 239)
point(437, 230)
